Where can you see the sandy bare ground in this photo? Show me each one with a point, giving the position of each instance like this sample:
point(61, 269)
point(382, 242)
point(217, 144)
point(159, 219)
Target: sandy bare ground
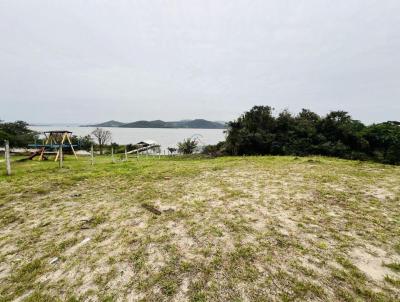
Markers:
point(229, 229)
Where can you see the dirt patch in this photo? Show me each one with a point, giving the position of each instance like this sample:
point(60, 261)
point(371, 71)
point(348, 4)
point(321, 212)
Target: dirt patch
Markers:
point(381, 193)
point(371, 262)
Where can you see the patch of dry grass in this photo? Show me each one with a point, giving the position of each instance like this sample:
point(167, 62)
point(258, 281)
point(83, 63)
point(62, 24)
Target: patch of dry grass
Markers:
point(228, 229)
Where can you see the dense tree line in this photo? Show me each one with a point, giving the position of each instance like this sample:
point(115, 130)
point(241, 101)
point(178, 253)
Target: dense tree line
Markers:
point(17, 133)
point(259, 132)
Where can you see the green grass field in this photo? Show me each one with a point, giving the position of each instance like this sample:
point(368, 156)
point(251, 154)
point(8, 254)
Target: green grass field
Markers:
point(197, 229)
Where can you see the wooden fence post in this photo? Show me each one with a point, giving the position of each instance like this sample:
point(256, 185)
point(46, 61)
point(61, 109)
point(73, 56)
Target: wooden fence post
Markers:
point(7, 157)
point(126, 154)
point(60, 163)
point(112, 154)
point(91, 155)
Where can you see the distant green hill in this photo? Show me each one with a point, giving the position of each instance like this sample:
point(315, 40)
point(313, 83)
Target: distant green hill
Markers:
point(147, 124)
point(111, 123)
point(197, 123)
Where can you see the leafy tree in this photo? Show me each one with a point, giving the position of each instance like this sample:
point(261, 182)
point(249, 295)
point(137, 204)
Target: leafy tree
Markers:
point(306, 136)
point(252, 133)
point(17, 133)
point(384, 141)
point(102, 136)
point(171, 150)
point(336, 134)
point(83, 142)
point(187, 146)
point(215, 150)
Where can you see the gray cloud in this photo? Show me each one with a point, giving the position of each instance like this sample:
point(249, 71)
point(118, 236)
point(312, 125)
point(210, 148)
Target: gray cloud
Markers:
point(89, 61)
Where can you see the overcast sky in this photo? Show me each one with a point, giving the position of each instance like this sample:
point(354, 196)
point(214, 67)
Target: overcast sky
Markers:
point(92, 61)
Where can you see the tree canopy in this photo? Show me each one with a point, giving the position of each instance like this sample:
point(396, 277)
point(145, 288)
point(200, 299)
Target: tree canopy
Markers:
point(187, 146)
point(17, 133)
point(102, 136)
point(259, 132)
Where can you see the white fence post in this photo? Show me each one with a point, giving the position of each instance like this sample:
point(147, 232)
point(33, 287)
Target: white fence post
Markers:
point(7, 156)
point(61, 156)
point(91, 155)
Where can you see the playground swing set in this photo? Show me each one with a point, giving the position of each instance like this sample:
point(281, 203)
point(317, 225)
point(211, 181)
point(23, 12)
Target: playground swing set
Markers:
point(54, 140)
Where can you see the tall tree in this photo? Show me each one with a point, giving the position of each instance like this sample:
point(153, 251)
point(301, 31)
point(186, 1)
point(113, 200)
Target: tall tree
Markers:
point(17, 133)
point(252, 133)
point(257, 131)
point(384, 141)
point(102, 136)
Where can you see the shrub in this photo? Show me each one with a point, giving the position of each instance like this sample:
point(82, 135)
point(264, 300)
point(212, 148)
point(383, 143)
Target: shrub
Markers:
point(187, 146)
point(259, 132)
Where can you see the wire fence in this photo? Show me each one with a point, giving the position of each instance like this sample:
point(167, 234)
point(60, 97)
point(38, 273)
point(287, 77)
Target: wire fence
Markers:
point(116, 153)
point(153, 151)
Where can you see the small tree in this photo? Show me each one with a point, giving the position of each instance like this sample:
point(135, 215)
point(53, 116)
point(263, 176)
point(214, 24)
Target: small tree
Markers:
point(214, 150)
point(17, 133)
point(171, 150)
point(83, 142)
point(187, 146)
point(102, 136)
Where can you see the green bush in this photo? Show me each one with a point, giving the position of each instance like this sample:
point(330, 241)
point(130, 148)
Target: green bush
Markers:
point(259, 132)
point(187, 146)
point(17, 133)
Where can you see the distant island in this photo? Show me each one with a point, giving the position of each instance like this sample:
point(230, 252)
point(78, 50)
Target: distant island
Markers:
point(107, 124)
point(194, 124)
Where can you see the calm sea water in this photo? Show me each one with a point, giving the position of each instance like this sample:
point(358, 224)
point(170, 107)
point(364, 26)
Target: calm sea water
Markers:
point(165, 137)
